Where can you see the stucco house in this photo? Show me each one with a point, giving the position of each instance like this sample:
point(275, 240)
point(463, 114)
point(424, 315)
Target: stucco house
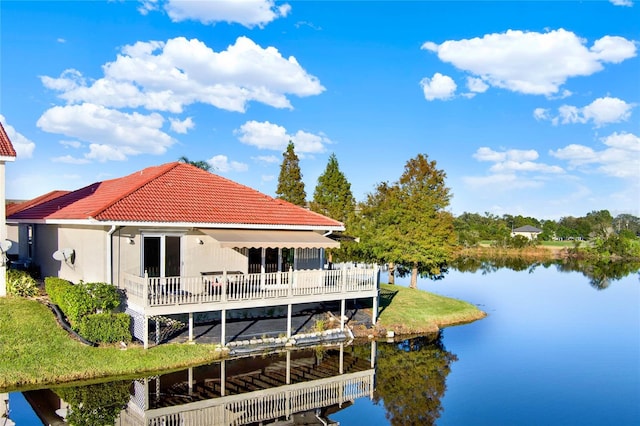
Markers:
point(7, 153)
point(527, 231)
point(180, 240)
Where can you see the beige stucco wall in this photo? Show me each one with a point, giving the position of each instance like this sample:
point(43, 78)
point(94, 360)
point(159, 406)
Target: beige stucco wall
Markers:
point(12, 235)
point(88, 243)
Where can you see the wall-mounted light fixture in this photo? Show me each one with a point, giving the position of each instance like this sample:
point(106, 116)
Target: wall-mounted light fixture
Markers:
point(199, 240)
point(131, 240)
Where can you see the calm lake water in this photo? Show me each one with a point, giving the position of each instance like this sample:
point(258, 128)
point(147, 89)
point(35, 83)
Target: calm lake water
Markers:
point(557, 348)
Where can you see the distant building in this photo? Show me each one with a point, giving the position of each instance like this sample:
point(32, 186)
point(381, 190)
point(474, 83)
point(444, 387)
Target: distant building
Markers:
point(528, 231)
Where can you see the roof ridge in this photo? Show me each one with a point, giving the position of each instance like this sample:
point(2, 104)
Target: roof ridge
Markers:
point(162, 169)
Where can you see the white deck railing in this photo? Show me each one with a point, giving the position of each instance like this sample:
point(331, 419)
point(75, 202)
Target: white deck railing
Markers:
point(265, 405)
point(229, 288)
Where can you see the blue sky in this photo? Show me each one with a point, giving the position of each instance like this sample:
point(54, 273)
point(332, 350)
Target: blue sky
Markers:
point(530, 108)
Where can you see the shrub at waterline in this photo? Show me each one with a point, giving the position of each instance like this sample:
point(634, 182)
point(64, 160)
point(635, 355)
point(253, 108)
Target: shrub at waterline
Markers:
point(21, 284)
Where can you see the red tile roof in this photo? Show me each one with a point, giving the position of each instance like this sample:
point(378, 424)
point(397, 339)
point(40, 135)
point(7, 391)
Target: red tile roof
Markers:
point(13, 208)
point(173, 193)
point(6, 148)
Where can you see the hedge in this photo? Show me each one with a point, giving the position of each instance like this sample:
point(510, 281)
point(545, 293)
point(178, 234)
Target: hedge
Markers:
point(88, 308)
point(106, 327)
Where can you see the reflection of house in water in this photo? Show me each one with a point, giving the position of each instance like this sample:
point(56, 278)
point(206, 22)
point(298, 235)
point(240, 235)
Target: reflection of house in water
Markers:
point(294, 387)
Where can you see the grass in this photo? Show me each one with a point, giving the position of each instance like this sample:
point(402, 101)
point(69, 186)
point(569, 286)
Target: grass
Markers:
point(411, 311)
point(35, 351)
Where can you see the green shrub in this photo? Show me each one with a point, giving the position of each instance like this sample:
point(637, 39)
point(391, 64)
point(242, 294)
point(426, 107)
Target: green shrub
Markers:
point(56, 288)
point(80, 300)
point(20, 283)
point(105, 327)
point(105, 297)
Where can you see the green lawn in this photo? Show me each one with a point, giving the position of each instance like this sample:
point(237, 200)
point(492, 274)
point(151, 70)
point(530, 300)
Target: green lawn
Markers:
point(35, 351)
point(415, 311)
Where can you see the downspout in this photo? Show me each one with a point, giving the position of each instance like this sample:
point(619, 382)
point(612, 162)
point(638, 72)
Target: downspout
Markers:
point(109, 261)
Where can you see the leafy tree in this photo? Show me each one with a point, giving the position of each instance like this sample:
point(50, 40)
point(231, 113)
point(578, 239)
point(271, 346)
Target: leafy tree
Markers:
point(600, 223)
point(290, 185)
point(405, 222)
point(199, 164)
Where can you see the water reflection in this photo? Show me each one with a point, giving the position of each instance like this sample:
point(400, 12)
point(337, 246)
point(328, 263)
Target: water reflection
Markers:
point(411, 380)
point(600, 272)
point(295, 387)
point(300, 386)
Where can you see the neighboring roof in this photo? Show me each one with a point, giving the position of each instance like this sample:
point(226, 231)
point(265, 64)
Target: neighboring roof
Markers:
point(13, 208)
point(6, 148)
point(527, 228)
point(244, 238)
point(173, 193)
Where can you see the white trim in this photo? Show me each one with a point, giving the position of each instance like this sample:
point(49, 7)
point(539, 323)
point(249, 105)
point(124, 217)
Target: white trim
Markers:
point(165, 225)
point(7, 158)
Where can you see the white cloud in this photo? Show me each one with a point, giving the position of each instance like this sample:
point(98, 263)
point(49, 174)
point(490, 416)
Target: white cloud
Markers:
point(265, 135)
point(620, 159)
point(511, 169)
point(541, 114)
point(113, 135)
point(531, 62)
point(250, 13)
point(103, 153)
point(476, 85)
point(268, 159)
point(438, 87)
point(600, 112)
point(487, 154)
point(627, 3)
point(23, 146)
point(147, 6)
point(68, 159)
point(71, 144)
point(221, 163)
point(167, 76)
point(181, 126)
point(500, 182)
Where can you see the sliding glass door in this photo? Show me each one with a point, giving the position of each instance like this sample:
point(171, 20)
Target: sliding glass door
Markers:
point(162, 255)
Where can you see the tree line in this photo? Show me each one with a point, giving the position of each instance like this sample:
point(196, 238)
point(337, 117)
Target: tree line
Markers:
point(406, 223)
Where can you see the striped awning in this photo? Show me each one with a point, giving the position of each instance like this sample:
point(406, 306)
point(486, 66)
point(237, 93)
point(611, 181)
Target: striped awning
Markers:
point(248, 238)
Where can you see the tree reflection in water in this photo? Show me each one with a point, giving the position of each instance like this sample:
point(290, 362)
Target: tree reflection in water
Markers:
point(411, 380)
point(600, 272)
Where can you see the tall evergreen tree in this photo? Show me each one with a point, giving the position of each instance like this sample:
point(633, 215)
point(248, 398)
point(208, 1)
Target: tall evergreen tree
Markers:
point(406, 223)
point(332, 196)
point(290, 185)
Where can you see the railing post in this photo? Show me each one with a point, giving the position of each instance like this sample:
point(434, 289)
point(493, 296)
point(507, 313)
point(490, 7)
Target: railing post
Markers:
point(343, 278)
point(145, 289)
point(224, 289)
point(290, 286)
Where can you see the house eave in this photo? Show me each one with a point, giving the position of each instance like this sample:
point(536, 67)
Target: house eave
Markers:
point(187, 225)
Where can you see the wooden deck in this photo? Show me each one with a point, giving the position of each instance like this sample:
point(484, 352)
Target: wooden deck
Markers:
point(174, 295)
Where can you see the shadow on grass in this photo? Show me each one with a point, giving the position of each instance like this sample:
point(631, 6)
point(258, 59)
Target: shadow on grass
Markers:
point(386, 296)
